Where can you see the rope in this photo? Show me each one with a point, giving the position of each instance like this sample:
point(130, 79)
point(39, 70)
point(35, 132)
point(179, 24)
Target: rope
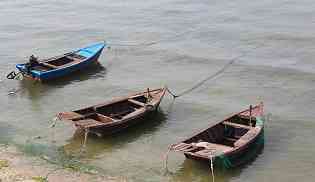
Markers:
point(166, 158)
point(154, 42)
point(212, 76)
point(211, 166)
point(83, 147)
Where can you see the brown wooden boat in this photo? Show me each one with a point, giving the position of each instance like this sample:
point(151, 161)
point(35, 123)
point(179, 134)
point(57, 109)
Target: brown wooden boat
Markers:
point(229, 142)
point(115, 115)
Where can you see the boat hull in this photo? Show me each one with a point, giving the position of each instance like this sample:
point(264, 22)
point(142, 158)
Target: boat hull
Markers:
point(234, 159)
point(102, 118)
point(228, 143)
point(63, 71)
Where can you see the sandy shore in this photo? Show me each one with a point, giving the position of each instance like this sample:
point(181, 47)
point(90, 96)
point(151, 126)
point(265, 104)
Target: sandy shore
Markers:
point(16, 167)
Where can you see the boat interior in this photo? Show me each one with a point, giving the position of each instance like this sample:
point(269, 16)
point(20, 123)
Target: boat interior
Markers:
point(223, 136)
point(102, 114)
point(55, 63)
point(114, 111)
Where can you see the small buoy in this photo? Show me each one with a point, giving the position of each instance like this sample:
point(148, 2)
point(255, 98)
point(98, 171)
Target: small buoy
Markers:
point(11, 93)
point(37, 137)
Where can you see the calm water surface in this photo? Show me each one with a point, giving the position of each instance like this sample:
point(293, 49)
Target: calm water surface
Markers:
point(195, 39)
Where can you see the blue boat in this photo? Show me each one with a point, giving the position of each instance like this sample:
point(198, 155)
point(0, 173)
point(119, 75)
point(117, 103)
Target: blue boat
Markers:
point(61, 65)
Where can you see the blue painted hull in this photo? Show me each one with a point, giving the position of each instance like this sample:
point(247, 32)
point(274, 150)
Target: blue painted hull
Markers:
point(91, 54)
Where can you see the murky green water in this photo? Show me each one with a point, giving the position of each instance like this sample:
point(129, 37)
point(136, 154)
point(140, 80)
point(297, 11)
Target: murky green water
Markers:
point(198, 38)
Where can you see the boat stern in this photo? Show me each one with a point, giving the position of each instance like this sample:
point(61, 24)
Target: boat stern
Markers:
point(33, 74)
point(21, 68)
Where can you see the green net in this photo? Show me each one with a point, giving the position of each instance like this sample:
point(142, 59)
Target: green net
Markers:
point(223, 162)
point(259, 121)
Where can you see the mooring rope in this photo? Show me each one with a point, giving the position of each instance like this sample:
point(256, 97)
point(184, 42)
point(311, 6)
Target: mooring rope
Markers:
point(211, 166)
point(83, 146)
point(212, 76)
point(166, 158)
point(153, 42)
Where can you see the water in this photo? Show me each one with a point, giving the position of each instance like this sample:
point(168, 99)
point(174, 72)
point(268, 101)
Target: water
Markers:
point(194, 39)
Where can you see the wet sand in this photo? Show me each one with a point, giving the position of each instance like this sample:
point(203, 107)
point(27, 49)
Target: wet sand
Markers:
point(17, 167)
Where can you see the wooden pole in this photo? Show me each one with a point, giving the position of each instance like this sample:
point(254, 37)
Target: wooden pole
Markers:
point(250, 115)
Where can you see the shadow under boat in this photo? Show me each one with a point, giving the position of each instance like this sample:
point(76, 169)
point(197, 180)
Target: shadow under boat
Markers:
point(34, 88)
point(95, 70)
point(96, 144)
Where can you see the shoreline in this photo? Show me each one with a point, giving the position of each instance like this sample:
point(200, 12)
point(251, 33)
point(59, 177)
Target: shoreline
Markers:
point(17, 167)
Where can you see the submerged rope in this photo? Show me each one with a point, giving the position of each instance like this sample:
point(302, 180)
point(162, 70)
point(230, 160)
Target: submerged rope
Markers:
point(212, 76)
point(83, 147)
point(166, 158)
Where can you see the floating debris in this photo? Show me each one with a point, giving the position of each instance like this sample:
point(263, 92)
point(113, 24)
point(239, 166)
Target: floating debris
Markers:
point(4, 163)
point(39, 179)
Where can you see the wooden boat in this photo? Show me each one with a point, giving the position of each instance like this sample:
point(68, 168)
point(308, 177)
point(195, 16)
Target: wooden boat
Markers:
point(227, 143)
point(61, 65)
point(115, 115)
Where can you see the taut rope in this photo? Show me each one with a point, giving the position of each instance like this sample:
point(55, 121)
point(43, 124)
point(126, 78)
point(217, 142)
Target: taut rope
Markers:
point(212, 76)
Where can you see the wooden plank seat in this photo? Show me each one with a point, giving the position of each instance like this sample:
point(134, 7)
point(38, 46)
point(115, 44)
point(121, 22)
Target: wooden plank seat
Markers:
point(230, 139)
point(74, 59)
point(119, 114)
point(214, 148)
point(136, 102)
point(247, 137)
point(206, 152)
point(81, 117)
point(184, 147)
point(104, 119)
point(77, 56)
point(88, 123)
point(236, 125)
point(69, 115)
point(49, 65)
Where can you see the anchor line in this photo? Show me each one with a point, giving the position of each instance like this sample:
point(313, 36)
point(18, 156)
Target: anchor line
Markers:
point(166, 157)
point(212, 76)
point(211, 166)
point(154, 42)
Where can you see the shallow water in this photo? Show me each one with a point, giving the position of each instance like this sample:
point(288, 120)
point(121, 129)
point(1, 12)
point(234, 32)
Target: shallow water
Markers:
point(193, 40)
